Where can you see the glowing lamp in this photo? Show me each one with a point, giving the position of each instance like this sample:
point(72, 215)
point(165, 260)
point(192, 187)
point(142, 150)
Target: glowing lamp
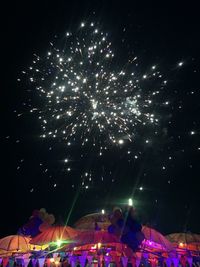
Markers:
point(130, 202)
point(181, 244)
point(103, 211)
point(99, 245)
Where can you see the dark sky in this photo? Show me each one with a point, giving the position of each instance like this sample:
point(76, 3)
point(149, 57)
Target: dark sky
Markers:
point(162, 33)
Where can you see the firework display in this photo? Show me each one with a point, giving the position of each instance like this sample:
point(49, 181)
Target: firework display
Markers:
point(100, 110)
point(88, 98)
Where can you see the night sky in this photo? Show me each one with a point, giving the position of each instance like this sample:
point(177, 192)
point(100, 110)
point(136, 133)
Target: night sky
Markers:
point(160, 171)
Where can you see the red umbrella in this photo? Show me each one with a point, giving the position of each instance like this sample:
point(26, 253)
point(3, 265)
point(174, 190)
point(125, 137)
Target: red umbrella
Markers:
point(89, 222)
point(54, 234)
point(15, 243)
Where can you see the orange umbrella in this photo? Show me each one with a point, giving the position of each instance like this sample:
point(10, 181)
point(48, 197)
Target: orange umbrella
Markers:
point(184, 241)
point(54, 234)
point(155, 240)
point(88, 222)
point(15, 243)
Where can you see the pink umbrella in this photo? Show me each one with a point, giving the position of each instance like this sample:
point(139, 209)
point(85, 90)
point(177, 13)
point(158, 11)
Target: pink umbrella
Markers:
point(155, 240)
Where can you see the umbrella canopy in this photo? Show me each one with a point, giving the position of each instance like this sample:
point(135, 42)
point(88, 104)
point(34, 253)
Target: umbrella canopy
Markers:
point(14, 243)
point(54, 234)
point(94, 240)
point(184, 238)
point(89, 222)
point(185, 241)
point(155, 240)
point(94, 237)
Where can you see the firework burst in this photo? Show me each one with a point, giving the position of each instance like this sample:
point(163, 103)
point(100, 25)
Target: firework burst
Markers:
point(88, 98)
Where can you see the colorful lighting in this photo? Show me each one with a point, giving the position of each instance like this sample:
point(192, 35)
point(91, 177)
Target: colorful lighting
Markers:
point(93, 247)
point(99, 245)
point(58, 243)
